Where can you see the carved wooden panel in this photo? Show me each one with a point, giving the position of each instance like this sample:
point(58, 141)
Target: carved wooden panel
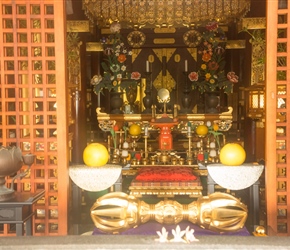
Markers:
point(33, 103)
point(277, 119)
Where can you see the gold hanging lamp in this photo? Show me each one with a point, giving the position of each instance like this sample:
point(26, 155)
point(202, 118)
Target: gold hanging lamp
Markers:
point(163, 13)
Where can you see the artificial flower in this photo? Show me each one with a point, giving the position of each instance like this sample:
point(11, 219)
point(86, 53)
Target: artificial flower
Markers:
point(189, 235)
point(206, 57)
point(213, 65)
point(232, 77)
point(115, 77)
point(96, 79)
point(115, 27)
point(135, 75)
point(162, 235)
point(119, 77)
point(207, 76)
point(178, 235)
point(212, 26)
point(211, 73)
point(115, 68)
point(193, 76)
point(122, 58)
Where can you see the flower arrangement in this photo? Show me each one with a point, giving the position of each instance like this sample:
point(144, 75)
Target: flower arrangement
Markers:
point(211, 75)
point(116, 77)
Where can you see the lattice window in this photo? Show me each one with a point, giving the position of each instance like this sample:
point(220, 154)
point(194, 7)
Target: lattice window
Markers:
point(278, 106)
point(33, 103)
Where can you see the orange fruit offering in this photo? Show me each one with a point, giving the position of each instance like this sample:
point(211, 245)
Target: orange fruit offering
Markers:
point(232, 154)
point(95, 155)
point(201, 130)
point(135, 129)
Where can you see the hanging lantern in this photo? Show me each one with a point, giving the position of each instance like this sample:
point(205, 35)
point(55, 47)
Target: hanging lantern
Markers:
point(256, 101)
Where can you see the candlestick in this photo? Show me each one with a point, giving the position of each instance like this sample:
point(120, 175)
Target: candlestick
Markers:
point(185, 66)
point(189, 128)
point(147, 99)
point(99, 100)
point(124, 156)
point(147, 66)
point(189, 156)
point(146, 147)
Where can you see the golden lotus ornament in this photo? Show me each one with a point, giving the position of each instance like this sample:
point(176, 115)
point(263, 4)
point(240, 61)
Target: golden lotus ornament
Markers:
point(116, 212)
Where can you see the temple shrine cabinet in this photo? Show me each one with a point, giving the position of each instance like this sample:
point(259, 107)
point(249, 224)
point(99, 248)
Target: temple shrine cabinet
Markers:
point(40, 103)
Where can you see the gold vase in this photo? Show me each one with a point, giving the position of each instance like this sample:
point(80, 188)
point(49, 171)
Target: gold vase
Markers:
point(131, 95)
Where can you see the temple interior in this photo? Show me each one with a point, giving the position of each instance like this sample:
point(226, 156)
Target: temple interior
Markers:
point(116, 116)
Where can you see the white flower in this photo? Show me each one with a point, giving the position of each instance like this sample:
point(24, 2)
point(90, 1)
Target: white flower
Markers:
point(162, 235)
point(178, 234)
point(115, 68)
point(115, 27)
point(96, 79)
point(208, 123)
point(189, 235)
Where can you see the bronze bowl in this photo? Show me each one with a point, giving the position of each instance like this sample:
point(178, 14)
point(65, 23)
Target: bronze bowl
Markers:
point(10, 162)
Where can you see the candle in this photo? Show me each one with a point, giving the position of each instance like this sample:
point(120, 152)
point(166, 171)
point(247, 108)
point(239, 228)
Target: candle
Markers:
point(146, 131)
point(125, 145)
point(147, 66)
point(212, 153)
point(189, 127)
point(124, 153)
point(185, 66)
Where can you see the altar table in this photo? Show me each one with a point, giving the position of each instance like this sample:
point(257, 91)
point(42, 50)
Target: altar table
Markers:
point(19, 211)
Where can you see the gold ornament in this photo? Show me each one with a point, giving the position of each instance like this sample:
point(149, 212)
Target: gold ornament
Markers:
point(117, 211)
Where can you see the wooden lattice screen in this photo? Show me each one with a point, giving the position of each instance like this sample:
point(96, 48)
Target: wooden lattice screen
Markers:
point(33, 103)
point(278, 106)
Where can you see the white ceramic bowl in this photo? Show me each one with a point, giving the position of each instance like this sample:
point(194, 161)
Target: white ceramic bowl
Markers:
point(95, 178)
point(235, 177)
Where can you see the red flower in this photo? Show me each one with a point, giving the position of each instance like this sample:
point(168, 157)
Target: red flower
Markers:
point(212, 26)
point(122, 58)
point(193, 76)
point(206, 57)
point(135, 75)
point(213, 65)
point(116, 127)
point(232, 77)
